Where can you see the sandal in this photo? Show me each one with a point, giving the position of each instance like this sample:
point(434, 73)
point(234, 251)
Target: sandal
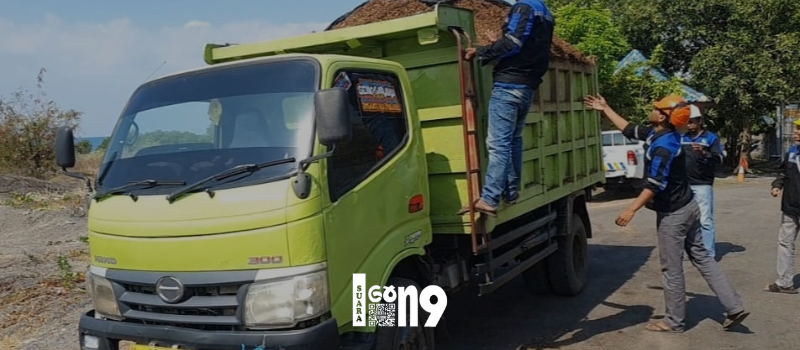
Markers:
point(733, 320)
point(662, 326)
point(775, 288)
point(481, 207)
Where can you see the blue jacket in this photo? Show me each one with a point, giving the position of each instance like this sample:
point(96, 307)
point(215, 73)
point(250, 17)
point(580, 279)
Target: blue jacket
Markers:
point(700, 170)
point(523, 52)
point(664, 167)
point(788, 180)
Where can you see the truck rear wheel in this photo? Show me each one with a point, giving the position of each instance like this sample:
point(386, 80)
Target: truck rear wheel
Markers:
point(567, 267)
point(406, 338)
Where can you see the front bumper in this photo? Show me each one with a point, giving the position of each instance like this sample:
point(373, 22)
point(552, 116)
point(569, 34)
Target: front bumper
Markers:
point(322, 336)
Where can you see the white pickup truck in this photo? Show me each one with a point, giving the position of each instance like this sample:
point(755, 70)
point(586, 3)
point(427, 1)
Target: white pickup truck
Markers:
point(623, 161)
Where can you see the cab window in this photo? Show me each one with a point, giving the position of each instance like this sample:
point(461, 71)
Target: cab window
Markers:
point(380, 128)
point(619, 139)
point(607, 140)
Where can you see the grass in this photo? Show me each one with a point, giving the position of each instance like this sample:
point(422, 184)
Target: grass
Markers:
point(88, 164)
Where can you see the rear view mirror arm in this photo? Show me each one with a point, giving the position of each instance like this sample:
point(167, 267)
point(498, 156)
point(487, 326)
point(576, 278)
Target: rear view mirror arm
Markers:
point(80, 177)
point(302, 184)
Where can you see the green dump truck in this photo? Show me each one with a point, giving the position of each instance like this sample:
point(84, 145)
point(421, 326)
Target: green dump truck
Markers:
point(236, 201)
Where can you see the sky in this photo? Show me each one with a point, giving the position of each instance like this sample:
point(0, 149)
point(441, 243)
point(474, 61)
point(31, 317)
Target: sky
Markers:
point(97, 52)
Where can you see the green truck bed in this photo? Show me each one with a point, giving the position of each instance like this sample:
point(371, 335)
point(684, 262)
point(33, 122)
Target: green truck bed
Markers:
point(562, 142)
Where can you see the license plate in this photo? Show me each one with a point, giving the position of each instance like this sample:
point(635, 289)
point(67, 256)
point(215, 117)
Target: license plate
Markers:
point(150, 347)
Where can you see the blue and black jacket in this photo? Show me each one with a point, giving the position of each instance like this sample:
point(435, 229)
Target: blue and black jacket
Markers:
point(788, 180)
point(523, 52)
point(699, 169)
point(664, 167)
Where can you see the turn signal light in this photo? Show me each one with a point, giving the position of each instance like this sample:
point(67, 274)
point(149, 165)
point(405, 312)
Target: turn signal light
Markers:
point(415, 204)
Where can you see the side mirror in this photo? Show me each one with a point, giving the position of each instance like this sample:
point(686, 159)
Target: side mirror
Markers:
point(332, 112)
point(65, 154)
point(65, 148)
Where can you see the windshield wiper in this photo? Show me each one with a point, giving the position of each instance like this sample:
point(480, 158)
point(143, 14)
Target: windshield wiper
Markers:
point(146, 183)
point(237, 170)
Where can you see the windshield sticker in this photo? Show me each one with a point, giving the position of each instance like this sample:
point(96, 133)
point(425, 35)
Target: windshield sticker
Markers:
point(378, 96)
point(342, 81)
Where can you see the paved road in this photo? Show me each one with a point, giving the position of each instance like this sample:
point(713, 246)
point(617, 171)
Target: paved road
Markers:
point(623, 292)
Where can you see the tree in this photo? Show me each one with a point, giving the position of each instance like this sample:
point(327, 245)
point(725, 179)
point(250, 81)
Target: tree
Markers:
point(83, 147)
point(103, 145)
point(589, 26)
point(591, 30)
point(742, 53)
point(633, 94)
point(28, 123)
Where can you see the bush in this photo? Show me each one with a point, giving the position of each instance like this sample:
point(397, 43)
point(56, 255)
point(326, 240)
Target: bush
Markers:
point(28, 123)
point(83, 147)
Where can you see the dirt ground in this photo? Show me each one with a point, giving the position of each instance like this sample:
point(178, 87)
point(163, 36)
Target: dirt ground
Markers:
point(623, 292)
point(42, 261)
point(43, 257)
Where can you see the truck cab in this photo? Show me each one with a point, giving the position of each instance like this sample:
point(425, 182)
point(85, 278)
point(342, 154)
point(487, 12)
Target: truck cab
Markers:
point(212, 212)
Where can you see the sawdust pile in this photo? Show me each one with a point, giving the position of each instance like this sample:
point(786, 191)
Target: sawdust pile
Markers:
point(489, 17)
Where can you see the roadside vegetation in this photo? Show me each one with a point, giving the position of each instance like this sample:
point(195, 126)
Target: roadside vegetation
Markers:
point(29, 177)
point(742, 54)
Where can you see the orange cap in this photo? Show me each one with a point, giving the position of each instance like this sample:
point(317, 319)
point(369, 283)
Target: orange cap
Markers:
point(677, 108)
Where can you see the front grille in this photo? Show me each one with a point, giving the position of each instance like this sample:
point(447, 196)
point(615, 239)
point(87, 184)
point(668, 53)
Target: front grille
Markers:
point(224, 311)
point(204, 307)
point(230, 289)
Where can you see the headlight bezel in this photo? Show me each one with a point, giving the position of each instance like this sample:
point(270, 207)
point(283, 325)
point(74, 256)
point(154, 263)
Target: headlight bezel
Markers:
point(315, 300)
point(104, 305)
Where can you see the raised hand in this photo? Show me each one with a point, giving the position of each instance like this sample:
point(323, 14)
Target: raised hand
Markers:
point(595, 102)
point(469, 53)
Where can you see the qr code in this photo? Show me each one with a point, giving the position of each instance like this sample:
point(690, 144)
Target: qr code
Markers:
point(381, 315)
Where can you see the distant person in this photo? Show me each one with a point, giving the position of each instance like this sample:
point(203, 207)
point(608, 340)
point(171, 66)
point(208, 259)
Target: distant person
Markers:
point(787, 184)
point(522, 56)
point(703, 154)
point(667, 192)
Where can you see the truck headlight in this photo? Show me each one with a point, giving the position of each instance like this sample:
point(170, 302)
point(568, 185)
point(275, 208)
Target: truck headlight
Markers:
point(102, 293)
point(285, 302)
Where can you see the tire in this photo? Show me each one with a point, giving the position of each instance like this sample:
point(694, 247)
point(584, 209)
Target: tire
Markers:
point(406, 338)
point(568, 266)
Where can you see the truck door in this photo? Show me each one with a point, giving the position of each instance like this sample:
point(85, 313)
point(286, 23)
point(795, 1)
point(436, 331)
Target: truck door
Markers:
point(373, 185)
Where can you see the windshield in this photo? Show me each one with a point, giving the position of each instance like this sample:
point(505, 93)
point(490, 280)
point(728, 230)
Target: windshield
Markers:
point(188, 127)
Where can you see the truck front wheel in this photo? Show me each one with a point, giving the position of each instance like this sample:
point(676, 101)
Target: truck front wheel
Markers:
point(568, 265)
point(406, 338)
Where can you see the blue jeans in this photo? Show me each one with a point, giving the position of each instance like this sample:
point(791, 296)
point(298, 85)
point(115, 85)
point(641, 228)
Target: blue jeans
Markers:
point(704, 196)
point(508, 111)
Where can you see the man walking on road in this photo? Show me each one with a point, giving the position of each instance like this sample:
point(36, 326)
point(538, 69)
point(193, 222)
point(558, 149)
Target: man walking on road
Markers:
point(522, 54)
point(667, 192)
point(703, 154)
point(787, 184)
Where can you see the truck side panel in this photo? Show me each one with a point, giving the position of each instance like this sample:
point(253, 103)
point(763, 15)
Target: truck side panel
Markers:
point(562, 150)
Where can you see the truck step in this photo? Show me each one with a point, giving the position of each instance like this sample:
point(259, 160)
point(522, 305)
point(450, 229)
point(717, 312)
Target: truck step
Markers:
point(500, 241)
point(489, 287)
